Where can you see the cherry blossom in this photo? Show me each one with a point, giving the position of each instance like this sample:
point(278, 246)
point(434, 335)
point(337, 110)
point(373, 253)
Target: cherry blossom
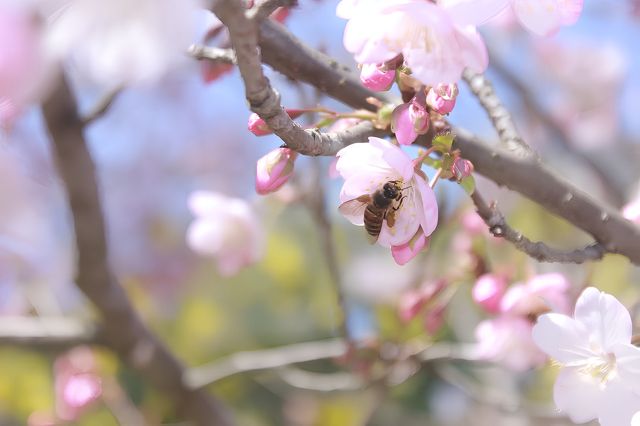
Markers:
point(542, 293)
point(226, 229)
point(77, 383)
point(488, 291)
point(274, 170)
point(410, 120)
point(116, 42)
point(366, 167)
point(442, 98)
point(541, 17)
point(433, 46)
point(377, 78)
point(600, 371)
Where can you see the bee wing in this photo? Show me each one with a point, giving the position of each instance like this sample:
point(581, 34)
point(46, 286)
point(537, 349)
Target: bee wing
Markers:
point(355, 207)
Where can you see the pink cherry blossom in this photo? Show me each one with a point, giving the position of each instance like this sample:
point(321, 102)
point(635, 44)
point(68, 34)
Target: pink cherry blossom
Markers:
point(77, 383)
point(403, 253)
point(225, 228)
point(442, 98)
point(410, 120)
point(433, 46)
point(488, 291)
point(366, 167)
point(507, 340)
point(541, 17)
point(600, 376)
point(542, 293)
point(274, 170)
point(377, 78)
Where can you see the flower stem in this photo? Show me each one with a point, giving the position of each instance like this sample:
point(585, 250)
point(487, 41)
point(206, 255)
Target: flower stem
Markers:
point(435, 178)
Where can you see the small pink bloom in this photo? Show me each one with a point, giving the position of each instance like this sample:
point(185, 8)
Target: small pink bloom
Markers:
point(409, 120)
point(473, 223)
point(377, 78)
point(366, 167)
point(410, 305)
point(442, 98)
point(274, 170)
point(434, 47)
point(405, 252)
point(434, 319)
point(461, 168)
point(507, 340)
point(541, 294)
point(226, 229)
point(76, 382)
point(488, 291)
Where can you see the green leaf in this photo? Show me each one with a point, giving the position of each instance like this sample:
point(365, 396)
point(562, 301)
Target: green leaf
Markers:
point(468, 184)
point(443, 142)
point(432, 162)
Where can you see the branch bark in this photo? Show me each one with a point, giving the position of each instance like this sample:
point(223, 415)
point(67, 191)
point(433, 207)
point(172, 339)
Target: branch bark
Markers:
point(124, 331)
point(499, 227)
point(50, 333)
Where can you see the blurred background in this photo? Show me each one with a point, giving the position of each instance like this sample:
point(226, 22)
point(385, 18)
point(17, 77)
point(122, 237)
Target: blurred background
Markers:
point(574, 97)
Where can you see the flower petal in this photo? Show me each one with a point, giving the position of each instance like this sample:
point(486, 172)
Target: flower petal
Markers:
point(406, 224)
point(541, 17)
point(628, 364)
point(356, 158)
point(206, 203)
point(562, 338)
point(404, 253)
point(607, 320)
point(473, 12)
point(394, 157)
point(570, 11)
point(427, 204)
point(618, 404)
point(579, 395)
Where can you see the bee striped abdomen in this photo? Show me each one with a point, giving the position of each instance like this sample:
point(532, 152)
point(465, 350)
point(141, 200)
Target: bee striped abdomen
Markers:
point(373, 217)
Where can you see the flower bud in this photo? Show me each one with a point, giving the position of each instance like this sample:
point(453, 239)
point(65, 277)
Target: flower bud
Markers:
point(409, 120)
point(442, 98)
point(259, 127)
point(274, 170)
point(434, 319)
point(377, 78)
point(488, 291)
point(461, 168)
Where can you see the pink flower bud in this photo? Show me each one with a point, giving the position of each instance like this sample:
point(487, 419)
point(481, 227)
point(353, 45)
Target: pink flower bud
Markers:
point(259, 127)
point(434, 318)
point(409, 120)
point(442, 98)
point(410, 304)
point(488, 291)
point(274, 170)
point(405, 252)
point(461, 168)
point(377, 78)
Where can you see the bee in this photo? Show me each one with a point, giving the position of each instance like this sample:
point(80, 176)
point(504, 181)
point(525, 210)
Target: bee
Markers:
point(378, 207)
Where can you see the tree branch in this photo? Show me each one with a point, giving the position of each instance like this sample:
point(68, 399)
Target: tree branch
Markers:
point(538, 250)
point(265, 8)
point(213, 54)
point(526, 176)
point(124, 331)
point(499, 115)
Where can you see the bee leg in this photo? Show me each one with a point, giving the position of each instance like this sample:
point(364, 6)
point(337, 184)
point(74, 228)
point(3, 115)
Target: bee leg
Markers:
point(399, 204)
point(390, 217)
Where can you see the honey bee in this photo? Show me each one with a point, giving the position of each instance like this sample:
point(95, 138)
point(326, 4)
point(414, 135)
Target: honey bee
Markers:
point(378, 207)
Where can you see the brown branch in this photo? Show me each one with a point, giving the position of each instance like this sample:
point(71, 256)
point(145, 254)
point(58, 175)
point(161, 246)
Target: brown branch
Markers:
point(102, 106)
point(499, 115)
point(213, 54)
point(524, 175)
point(265, 8)
point(559, 134)
point(124, 331)
point(499, 227)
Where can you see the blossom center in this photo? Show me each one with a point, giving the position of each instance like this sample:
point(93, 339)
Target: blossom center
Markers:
point(602, 367)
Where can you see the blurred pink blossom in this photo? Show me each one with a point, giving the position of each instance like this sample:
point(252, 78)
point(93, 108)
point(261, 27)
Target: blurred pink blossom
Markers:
point(77, 383)
point(488, 291)
point(507, 340)
point(433, 46)
point(541, 17)
point(376, 78)
point(226, 229)
point(366, 167)
point(542, 293)
point(117, 42)
point(274, 170)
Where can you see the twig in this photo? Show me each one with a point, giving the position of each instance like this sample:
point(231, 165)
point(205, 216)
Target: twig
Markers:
point(102, 106)
point(559, 135)
point(241, 362)
point(213, 54)
point(47, 332)
point(499, 115)
point(124, 331)
point(266, 7)
point(321, 382)
point(538, 250)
